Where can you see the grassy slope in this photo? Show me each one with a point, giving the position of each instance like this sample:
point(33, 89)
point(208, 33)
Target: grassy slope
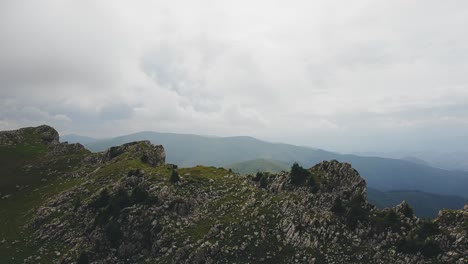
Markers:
point(28, 177)
point(228, 205)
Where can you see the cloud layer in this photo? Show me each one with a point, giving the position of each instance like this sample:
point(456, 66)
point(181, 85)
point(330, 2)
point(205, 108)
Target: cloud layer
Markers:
point(347, 76)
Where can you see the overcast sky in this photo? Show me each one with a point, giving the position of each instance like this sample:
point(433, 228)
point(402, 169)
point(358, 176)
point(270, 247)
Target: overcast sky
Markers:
point(340, 75)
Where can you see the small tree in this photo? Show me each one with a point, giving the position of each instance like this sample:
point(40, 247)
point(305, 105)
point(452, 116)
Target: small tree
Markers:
point(102, 200)
point(118, 201)
point(407, 211)
point(174, 176)
point(258, 176)
point(338, 207)
point(263, 181)
point(298, 174)
point(139, 195)
point(114, 234)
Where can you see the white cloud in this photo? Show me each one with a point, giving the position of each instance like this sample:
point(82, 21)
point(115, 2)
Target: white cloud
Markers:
point(321, 73)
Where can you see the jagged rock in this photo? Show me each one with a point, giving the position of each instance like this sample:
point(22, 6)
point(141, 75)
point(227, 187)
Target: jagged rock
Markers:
point(65, 148)
point(48, 134)
point(154, 155)
point(44, 133)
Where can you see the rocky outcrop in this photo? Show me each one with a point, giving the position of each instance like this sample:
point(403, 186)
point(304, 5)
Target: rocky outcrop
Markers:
point(65, 148)
point(153, 155)
point(42, 134)
point(44, 137)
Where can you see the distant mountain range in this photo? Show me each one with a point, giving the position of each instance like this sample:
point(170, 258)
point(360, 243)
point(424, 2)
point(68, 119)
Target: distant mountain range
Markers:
point(383, 174)
point(457, 160)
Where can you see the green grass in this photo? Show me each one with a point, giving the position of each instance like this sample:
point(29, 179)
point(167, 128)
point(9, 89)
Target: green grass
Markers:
point(29, 177)
point(12, 160)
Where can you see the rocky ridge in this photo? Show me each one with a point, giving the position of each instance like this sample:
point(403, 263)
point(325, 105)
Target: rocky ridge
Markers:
point(123, 208)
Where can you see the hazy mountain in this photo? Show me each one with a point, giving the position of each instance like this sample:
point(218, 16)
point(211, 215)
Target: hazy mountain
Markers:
point(381, 173)
point(74, 138)
point(416, 160)
point(424, 204)
point(444, 160)
point(256, 165)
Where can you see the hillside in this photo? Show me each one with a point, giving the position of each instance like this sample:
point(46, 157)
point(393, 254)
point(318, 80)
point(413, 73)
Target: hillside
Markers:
point(262, 165)
point(380, 173)
point(126, 205)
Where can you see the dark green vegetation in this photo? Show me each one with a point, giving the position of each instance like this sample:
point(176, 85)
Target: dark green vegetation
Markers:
point(127, 206)
point(421, 240)
point(425, 205)
point(174, 176)
point(380, 173)
point(300, 176)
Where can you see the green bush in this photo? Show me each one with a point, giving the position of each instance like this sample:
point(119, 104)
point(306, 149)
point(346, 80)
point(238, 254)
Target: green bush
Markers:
point(136, 172)
point(76, 203)
point(263, 182)
point(174, 176)
point(338, 207)
point(118, 201)
point(257, 177)
point(355, 212)
point(102, 200)
point(391, 219)
point(427, 229)
point(413, 245)
point(420, 241)
point(102, 217)
point(430, 249)
point(387, 219)
point(83, 258)
point(299, 175)
point(139, 195)
point(407, 211)
point(113, 233)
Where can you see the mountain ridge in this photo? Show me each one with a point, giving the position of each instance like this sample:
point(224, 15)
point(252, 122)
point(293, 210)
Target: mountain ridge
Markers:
point(127, 204)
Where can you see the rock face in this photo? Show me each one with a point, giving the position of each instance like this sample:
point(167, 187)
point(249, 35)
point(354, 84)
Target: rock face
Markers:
point(153, 155)
point(47, 134)
point(64, 148)
point(44, 133)
point(40, 136)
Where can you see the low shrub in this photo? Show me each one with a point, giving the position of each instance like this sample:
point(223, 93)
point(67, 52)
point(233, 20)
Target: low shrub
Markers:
point(174, 176)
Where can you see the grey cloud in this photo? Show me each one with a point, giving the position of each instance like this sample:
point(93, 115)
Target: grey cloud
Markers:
point(349, 76)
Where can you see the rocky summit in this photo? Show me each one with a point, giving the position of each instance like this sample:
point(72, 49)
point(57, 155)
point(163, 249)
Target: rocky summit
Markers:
point(63, 204)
